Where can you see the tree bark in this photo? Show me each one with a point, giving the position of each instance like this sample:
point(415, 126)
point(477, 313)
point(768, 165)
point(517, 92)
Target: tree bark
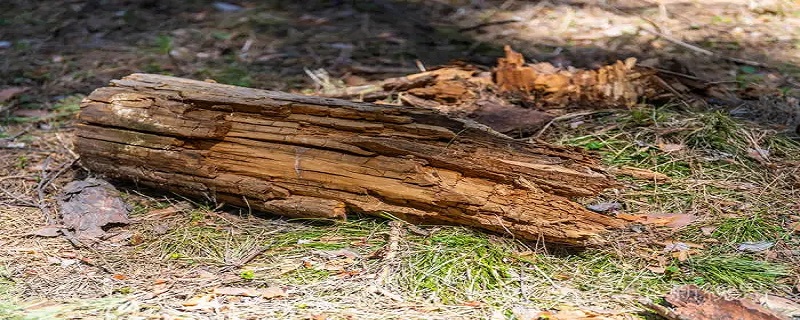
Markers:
point(302, 156)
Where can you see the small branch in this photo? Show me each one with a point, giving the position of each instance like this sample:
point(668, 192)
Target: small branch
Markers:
point(487, 24)
point(395, 231)
point(702, 50)
point(568, 116)
point(662, 310)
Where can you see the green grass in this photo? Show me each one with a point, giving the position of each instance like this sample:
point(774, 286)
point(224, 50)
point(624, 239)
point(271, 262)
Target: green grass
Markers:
point(747, 229)
point(163, 44)
point(207, 239)
point(324, 234)
point(455, 264)
point(741, 272)
point(306, 276)
point(8, 308)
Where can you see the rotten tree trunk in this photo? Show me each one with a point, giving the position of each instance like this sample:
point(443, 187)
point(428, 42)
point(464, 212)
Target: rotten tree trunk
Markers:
point(303, 156)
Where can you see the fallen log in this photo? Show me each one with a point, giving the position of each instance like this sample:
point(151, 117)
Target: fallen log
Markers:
point(302, 156)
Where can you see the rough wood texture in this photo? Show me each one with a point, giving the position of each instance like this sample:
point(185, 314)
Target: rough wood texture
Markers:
point(303, 156)
point(621, 84)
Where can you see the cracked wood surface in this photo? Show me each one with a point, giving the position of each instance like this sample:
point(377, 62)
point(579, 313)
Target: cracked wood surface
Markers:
point(302, 156)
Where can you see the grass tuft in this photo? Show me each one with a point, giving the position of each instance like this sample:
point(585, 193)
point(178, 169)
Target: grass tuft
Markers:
point(746, 229)
point(456, 264)
point(741, 272)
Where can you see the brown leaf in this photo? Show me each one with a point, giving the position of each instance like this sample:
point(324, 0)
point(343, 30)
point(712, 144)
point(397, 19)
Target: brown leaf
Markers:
point(201, 302)
point(670, 147)
point(472, 303)
point(233, 291)
point(795, 227)
point(47, 231)
point(639, 173)
point(119, 277)
point(8, 93)
point(675, 220)
point(692, 302)
point(273, 292)
point(758, 154)
point(319, 316)
point(707, 231)
point(656, 270)
point(786, 307)
point(136, 239)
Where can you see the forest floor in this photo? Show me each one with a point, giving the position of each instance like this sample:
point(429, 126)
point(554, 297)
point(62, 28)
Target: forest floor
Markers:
point(734, 169)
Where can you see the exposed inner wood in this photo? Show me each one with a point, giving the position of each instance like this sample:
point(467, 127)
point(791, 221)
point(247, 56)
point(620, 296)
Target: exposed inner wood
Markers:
point(303, 156)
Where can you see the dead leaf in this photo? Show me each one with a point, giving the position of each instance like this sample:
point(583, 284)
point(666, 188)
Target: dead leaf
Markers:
point(605, 206)
point(48, 231)
point(472, 304)
point(785, 307)
point(8, 93)
point(136, 239)
point(758, 154)
point(656, 270)
point(206, 301)
point(319, 316)
point(670, 147)
point(639, 173)
point(344, 253)
point(682, 250)
point(795, 227)
point(273, 292)
point(691, 302)
point(708, 231)
point(232, 291)
point(755, 246)
point(118, 276)
point(675, 220)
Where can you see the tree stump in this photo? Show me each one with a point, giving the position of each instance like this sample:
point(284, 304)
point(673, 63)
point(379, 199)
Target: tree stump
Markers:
point(302, 156)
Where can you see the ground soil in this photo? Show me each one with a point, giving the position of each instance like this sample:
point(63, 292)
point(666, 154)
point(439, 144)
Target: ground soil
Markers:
point(61, 50)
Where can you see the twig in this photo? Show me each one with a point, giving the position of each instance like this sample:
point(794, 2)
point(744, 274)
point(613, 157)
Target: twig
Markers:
point(243, 261)
point(40, 192)
point(42, 203)
point(23, 176)
point(395, 231)
point(17, 135)
point(662, 310)
point(487, 24)
point(702, 50)
point(663, 33)
point(567, 117)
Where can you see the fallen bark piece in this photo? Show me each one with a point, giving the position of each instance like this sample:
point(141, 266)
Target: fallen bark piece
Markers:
point(89, 205)
point(691, 302)
point(303, 156)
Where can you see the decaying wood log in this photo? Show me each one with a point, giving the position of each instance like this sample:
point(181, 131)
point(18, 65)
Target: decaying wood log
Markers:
point(302, 156)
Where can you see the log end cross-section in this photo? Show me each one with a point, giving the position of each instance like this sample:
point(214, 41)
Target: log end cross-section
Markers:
point(303, 156)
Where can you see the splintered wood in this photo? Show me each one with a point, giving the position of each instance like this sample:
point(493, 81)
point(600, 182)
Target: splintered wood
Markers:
point(615, 85)
point(303, 156)
point(541, 91)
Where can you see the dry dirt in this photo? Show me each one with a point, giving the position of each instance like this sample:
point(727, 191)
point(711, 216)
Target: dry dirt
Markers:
point(61, 50)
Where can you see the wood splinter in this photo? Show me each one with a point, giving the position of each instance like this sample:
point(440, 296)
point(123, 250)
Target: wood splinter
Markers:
point(302, 156)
